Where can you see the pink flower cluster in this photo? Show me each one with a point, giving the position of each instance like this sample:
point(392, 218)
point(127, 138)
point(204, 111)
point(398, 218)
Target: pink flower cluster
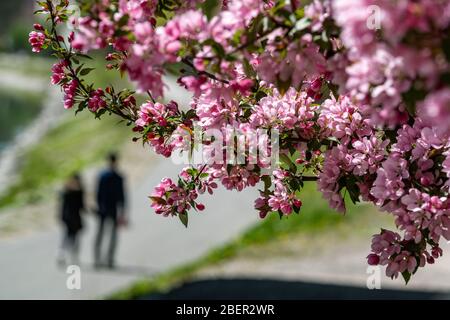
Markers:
point(382, 71)
point(191, 25)
point(153, 115)
point(96, 100)
point(293, 110)
point(435, 109)
point(37, 41)
point(414, 191)
point(238, 178)
point(282, 199)
point(357, 156)
point(169, 198)
point(144, 64)
point(342, 119)
point(70, 90)
point(303, 60)
point(389, 249)
point(58, 72)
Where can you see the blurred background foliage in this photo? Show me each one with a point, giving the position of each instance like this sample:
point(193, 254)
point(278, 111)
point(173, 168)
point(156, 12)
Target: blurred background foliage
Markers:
point(16, 17)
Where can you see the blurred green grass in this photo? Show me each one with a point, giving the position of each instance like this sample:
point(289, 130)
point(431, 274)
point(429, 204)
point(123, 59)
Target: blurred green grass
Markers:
point(17, 109)
point(315, 220)
point(27, 65)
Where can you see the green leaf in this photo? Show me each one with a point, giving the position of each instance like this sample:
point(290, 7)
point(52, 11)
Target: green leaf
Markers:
point(84, 56)
point(248, 69)
point(300, 25)
point(267, 182)
point(229, 168)
point(217, 47)
point(285, 159)
point(445, 78)
point(411, 97)
point(86, 71)
point(123, 21)
point(446, 48)
point(184, 219)
point(283, 86)
point(406, 276)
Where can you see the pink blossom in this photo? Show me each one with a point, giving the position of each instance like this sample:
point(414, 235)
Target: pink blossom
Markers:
point(303, 61)
point(285, 112)
point(435, 109)
point(37, 41)
point(96, 101)
point(58, 72)
point(70, 90)
point(341, 119)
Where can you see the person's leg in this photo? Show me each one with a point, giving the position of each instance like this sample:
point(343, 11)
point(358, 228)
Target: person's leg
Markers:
point(112, 243)
point(62, 254)
point(75, 248)
point(98, 242)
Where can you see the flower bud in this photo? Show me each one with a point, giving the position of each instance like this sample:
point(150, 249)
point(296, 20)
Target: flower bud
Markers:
point(373, 259)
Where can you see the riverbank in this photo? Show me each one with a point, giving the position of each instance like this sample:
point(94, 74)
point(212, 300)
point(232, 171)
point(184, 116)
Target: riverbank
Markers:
point(15, 78)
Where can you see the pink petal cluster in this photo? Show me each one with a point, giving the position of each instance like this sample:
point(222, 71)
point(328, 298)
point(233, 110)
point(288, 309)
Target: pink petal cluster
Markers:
point(342, 119)
point(58, 72)
point(381, 70)
point(359, 152)
point(70, 90)
point(390, 250)
point(283, 199)
point(238, 178)
point(303, 61)
point(96, 100)
point(155, 114)
point(144, 64)
point(435, 109)
point(36, 40)
point(170, 199)
point(415, 193)
point(285, 112)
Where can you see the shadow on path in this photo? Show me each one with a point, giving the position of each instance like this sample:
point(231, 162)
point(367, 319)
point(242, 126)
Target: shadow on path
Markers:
point(238, 289)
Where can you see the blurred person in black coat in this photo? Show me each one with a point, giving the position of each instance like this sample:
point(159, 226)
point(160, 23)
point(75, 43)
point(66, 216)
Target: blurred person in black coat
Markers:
point(111, 211)
point(72, 205)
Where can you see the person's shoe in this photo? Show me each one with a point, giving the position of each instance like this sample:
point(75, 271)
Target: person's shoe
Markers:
point(111, 265)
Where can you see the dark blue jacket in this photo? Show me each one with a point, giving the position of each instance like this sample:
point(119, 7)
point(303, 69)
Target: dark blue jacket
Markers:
point(110, 193)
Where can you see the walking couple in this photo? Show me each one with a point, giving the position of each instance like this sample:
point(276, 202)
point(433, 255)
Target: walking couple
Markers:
point(110, 213)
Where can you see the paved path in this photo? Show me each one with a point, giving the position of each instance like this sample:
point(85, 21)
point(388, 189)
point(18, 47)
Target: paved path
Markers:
point(152, 244)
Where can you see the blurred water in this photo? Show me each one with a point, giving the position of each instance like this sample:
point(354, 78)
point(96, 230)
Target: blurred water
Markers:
point(16, 112)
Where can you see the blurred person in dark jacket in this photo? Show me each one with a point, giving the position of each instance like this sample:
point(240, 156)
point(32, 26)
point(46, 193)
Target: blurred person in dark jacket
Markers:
point(72, 205)
point(111, 211)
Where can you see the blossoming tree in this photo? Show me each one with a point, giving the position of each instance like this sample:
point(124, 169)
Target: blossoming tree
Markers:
point(358, 91)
